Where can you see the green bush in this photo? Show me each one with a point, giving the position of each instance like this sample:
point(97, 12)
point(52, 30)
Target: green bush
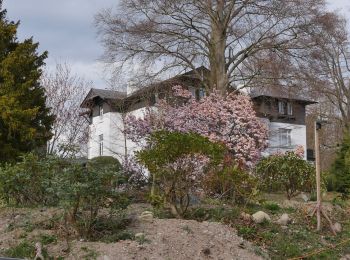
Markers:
point(287, 172)
point(175, 161)
point(31, 182)
point(231, 183)
point(103, 162)
point(84, 191)
point(340, 171)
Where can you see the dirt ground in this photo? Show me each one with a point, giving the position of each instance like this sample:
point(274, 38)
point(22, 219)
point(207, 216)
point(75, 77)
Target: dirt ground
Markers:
point(175, 239)
point(161, 239)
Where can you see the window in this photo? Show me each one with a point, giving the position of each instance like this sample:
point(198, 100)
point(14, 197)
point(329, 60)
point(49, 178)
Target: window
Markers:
point(282, 107)
point(285, 138)
point(100, 139)
point(285, 108)
point(100, 110)
point(289, 109)
point(200, 93)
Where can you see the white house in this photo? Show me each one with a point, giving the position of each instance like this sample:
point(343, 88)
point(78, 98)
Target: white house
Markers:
point(284, 113)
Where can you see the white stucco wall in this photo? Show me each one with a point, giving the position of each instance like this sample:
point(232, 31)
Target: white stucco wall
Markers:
point(112, 127)
point(298, 137)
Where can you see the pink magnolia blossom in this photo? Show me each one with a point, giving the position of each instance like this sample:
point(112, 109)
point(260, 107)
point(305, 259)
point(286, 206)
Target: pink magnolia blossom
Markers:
point(299, 151)
point(228, 119)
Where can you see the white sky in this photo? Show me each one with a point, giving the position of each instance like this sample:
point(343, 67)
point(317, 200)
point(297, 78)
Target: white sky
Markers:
point(65, 29)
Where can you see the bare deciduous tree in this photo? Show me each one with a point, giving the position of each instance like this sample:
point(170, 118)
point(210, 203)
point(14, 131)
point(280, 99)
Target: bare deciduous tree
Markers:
point(65, 92)
point(224, 35)
point(327, 70)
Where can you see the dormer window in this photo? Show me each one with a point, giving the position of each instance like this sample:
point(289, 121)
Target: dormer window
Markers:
point(285, 108)
point(100, 110)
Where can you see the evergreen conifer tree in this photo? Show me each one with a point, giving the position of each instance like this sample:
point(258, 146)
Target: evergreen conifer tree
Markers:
point(25, 121)
point(341, 167)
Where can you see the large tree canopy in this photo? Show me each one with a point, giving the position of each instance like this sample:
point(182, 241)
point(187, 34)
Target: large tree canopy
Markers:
point(230, 37)
point(25, 121)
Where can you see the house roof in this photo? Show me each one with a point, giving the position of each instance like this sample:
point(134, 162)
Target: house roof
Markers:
point(178, 79)
point(281, 93)
point(274, 92)
point(105, 94)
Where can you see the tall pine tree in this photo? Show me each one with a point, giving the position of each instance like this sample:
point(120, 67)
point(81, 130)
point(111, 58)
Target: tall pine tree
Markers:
point(25, 121)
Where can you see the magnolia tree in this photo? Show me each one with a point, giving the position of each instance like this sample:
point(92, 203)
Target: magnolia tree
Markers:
point(229, 119)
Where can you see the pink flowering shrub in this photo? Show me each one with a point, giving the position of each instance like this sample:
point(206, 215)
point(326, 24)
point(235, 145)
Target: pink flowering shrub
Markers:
point(230, 120)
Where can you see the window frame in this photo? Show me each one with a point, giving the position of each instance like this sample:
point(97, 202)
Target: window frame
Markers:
point(100, 144)
point(285, 108)
point(100, 110)
point(285, 137)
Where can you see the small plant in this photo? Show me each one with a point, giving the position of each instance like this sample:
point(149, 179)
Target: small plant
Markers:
point(142, 239)
point(187, 229)
point(112, 228)
point(91, 254)
point(246, 232)
point(271, 206)
point(22, 250)
point(47, 239)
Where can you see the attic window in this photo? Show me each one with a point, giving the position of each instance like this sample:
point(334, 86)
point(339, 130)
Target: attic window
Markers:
point(285, 108)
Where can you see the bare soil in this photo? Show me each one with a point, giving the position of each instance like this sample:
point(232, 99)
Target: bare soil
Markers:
point(163, 239)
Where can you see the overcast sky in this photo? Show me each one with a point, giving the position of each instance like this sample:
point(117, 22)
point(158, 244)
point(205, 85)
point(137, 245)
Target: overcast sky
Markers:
point(65, 29)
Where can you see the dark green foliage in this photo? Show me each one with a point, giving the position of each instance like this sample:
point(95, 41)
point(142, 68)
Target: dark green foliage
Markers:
point(167, 147)
point(175, 161)
point(287, 172)
point(30, 182)
point(340, 172)
point(231, 183)
point(103, 162)
point(22, 250)
point(110, 229)
point(84, 191)
point(217, 214)
point(271, 206)
point(25, 121)
point(47, 239)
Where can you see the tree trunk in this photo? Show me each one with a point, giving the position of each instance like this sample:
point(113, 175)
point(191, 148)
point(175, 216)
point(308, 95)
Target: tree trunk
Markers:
point(218, 40)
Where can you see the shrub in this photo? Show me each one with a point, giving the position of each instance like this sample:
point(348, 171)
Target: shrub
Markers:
point(231, 183)
point(288, 172)
point(103, 162)
point(30, 182)
point(84, 191)
point(340, 171)
point(175, 161)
